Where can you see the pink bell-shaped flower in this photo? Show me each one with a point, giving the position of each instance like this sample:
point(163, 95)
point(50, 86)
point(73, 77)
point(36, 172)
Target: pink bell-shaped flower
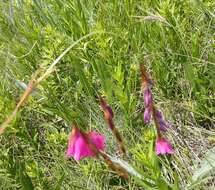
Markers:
point(163, 147)
point(78, 147)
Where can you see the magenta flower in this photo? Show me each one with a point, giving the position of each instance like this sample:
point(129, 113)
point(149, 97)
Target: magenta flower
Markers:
point(78, 146)
point(163, 147)
point(147, 97)
point(163, 124)
point(147, 114)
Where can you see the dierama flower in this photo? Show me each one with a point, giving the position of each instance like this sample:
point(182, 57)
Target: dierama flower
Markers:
point(147, 84)
point(163, 147)
point(79, 147)
point(163, 124)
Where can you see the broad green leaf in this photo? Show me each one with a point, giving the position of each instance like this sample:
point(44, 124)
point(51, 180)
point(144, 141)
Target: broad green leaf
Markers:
point(207, 166)
point(162, 185)
point(126, 166)
point(137, 176)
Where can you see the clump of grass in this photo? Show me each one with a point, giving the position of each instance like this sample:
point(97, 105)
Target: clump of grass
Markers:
point(175, 40)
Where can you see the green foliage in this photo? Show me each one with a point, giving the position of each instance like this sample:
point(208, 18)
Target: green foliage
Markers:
point(206, 167)
point(174, 39)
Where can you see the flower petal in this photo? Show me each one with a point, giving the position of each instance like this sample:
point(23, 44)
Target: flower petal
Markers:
point(163, 147)
point(82, 149)
point(163, 124)
point(79, 148)
point(98, 140)
point(147, 114)
point(147, 97)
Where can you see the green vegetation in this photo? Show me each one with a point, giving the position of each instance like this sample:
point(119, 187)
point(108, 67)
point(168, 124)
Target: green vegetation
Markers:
point(175, 40)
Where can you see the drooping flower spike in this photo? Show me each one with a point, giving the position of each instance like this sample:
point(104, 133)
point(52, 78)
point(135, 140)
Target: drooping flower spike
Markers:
point(162, 145)
point(79, 146)
point(147, 84)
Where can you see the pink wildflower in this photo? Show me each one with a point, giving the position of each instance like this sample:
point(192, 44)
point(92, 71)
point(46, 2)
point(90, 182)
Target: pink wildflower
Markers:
point(147, 97)
point(78, 147)
point(163, 147)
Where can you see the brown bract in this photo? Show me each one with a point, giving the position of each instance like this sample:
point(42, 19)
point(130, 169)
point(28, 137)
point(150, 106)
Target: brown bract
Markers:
point(108, 115)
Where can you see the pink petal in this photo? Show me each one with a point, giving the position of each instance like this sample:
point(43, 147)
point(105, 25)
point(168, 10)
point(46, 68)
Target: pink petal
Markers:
point(147, 97)
point(98, 140)
point(163, 147)
point(163, 124)
point(78, 146)
point(82, 149)
point(71, 144)
point(147, 115)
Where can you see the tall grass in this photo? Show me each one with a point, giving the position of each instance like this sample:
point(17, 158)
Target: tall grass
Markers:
point(174, 40)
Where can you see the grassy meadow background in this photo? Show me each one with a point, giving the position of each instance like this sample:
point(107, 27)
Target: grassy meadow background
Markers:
point(174, 39)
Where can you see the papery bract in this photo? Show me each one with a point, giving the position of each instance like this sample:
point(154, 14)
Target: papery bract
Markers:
point(163, 147)
point(106, 108)
point(78, 147)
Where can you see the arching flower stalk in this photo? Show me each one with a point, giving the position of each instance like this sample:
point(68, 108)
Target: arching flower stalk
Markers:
point(162, 145)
